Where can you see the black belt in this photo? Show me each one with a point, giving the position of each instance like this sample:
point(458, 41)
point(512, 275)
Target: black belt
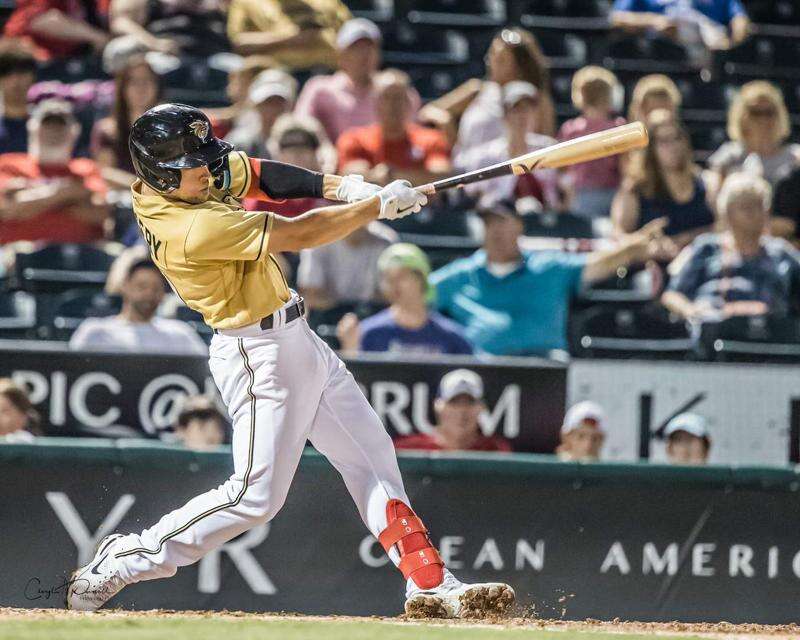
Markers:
point(295, 311)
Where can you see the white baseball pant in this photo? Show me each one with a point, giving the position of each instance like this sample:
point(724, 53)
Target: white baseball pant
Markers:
point(282, 386)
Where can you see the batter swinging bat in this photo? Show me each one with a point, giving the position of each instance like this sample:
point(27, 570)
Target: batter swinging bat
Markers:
point(591, 147)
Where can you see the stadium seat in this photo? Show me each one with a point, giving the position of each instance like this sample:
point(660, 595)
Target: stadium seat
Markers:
point(779, 12)
point(551, 224)
point(375, 10)
point(73, 307)
point(17, 315)
point(564, 8)
point(405, 44)
point(751, 339)
point(59, 267)
point(455, 13)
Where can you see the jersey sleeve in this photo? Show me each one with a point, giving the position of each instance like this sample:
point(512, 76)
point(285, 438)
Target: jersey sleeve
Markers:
point(242, 175)
point(217, 233)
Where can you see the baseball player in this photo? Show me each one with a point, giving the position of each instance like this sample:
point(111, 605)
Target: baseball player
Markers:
point(281, 383)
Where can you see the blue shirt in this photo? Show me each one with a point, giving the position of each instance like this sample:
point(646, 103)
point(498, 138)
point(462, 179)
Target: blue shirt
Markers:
point(722, 11)
point(440, 335)
point(522, 313)
point(13, 135)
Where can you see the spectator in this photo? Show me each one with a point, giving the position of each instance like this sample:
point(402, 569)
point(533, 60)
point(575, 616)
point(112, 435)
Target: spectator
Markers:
point(17, 75)
point(188, 27)
point(583, 433)
point(786, 207)
point(515, 303)
point(295, 35)
point(57, 29)
point(394, 147)
point(520, 118)
point(137, 88)
point(47, 194)
point(299, 141)
point(407, 326)
point(652, 92)
point(271, 93)
point(200, 425)
point(688, 440)
point(702, 26)
point(344, 272)
point(594, 183)
point(758, 127)
point(19, 421)
point(458, 408)
point(663, 182)
point(239, 113)
point(348, 98)
point(514, 54)
point(136, 329)
point(741, 271)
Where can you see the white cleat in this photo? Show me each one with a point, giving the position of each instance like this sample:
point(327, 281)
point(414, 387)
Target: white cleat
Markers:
point(454, 599)
point(94, 584)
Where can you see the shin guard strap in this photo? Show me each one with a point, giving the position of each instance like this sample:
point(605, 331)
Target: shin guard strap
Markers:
point(416, 560)
point(400, 528)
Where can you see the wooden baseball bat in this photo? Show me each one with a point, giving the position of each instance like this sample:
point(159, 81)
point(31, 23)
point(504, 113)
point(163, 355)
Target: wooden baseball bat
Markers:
point(590, 147)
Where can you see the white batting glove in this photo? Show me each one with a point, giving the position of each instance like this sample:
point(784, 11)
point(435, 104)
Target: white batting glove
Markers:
point(398, 200)
point(352, 188)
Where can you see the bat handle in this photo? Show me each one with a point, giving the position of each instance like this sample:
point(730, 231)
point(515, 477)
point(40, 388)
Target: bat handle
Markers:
point(428, 189)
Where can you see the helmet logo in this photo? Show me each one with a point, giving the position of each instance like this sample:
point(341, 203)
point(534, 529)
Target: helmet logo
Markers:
point(199, 128)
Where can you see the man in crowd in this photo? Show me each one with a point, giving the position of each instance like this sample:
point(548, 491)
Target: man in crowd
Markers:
point(17, 74)
point(688, 439)
point(458, 408)
point(741, 271)
point(407, 326)
point(515, 303)
point(583, 433)
point(46, 194)
point(137, 329)
point(348, 98)
point(394, 147)
point(200, 425)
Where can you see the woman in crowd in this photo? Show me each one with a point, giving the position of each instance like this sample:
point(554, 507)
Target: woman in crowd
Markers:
point(664, 182)
point(19, 421)
point(513, 55)
point(653, 92)
point(758, 127)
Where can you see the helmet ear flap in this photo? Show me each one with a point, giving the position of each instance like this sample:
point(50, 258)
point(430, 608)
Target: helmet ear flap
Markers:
point(161, 179)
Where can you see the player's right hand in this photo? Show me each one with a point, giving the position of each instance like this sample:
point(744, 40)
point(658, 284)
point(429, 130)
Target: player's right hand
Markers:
point(399, 199)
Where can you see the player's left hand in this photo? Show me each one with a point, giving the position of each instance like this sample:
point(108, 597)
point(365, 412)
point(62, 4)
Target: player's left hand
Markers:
point(353, 188)
point(399, 199)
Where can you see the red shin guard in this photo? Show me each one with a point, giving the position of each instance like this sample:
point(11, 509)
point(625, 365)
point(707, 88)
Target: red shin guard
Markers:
point(419, 560)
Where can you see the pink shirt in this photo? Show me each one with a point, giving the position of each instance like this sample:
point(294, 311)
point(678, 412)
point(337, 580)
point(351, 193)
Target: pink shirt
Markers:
point(339, 104)
point(597, 174)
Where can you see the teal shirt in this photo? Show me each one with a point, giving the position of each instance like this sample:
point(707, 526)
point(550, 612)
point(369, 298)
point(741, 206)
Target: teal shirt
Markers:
point(522, 313)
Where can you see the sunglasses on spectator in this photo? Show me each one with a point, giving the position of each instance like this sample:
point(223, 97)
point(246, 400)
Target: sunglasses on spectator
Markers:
point(664, 140)
point(762, 112)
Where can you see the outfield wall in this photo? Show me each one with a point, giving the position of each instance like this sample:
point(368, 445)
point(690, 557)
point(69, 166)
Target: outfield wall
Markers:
point(603, 541)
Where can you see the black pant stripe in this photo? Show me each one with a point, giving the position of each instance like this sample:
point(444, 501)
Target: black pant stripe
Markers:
point(245, 481)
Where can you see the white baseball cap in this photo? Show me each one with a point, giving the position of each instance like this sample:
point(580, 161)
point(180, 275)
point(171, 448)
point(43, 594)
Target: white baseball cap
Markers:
point(586, 412)
point(691, 423)
point(272, 82)
point(518, 90)
point(460, 381)
point(357, 29)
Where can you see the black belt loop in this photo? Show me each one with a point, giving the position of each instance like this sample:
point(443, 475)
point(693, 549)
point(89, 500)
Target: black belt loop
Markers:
point(297, 310)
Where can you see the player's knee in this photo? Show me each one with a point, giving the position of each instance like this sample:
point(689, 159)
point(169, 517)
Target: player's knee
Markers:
point(260, 503)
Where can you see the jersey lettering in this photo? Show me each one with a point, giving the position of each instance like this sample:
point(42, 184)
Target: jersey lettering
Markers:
point(151, 240)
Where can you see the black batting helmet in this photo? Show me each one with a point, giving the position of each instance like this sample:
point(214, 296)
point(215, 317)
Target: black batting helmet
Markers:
point(171, 137)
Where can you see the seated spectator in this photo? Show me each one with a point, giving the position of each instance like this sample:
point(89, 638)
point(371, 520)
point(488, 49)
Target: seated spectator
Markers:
point(239, 111)
point(295, 35)
point(394, 147)
point(271, 94)
point(741, 271)
point(664, 182)
point(407, 326)
point(137, 329)
point(758, 128)
point(17, 75)
point(137, 88)
point(688, 440)
point(200, 425)
point(299, 141)
point(652, 92)
point(188, 27)
point(345, 271)
point(46, 194)
point(458, 407)
point(702, 26)
point(19, 421)
point(594, 183)
point(477, 105)
point(348, 98)
point(786, 207)
point(57, 29)
point(583, 433)
point(514, 303)
point(521, 113)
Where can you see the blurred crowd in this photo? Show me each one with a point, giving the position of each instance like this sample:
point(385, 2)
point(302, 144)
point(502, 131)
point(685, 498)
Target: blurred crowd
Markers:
point(704, 242)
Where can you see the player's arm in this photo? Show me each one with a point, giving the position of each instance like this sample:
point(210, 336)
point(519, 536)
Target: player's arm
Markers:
point(632, 248)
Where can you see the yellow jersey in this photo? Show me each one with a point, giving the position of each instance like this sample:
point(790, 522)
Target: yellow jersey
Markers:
point(215, 255)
